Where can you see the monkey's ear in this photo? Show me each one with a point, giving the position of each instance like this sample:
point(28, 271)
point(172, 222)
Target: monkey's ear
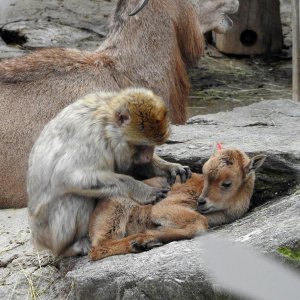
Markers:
point(123, 117)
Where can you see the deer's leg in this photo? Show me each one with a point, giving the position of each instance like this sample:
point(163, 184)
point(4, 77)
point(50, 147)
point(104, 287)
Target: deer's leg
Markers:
point(112, 221)
point(131, 244)
point(176, 223)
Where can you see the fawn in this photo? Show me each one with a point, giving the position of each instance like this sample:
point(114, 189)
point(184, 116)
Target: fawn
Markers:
point(221, 194)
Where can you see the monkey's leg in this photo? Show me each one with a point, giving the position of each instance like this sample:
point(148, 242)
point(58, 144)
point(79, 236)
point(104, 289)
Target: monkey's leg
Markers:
point(68, 226)
point(80, 247)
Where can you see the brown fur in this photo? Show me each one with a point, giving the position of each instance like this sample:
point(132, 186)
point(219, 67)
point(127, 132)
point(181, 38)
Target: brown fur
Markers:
point(151, 50)
point(120, 226)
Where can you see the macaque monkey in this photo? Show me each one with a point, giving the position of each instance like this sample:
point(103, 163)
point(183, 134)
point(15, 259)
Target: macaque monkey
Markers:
point(86, 153)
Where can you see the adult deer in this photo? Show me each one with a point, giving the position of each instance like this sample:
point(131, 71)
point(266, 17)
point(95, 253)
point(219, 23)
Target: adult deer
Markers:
point(150, 49)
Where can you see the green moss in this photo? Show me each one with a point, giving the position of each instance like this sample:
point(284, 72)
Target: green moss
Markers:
point(292, 254)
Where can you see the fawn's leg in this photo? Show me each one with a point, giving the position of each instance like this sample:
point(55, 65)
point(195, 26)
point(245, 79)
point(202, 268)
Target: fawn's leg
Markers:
point(176, 223)
point(112, 220)
point(132, 244)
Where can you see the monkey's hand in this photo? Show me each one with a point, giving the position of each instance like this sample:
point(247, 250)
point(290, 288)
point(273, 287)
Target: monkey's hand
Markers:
point(173, 169)
point(159, 167)
point(170, 170)
point(141, 192)
point(155, 194)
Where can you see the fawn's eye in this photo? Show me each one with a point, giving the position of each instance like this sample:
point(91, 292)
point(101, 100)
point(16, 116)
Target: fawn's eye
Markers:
point(226, 184)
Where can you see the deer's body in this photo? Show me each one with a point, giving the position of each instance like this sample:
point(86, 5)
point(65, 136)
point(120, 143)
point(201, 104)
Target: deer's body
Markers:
point(119, 225)
point(149, 50)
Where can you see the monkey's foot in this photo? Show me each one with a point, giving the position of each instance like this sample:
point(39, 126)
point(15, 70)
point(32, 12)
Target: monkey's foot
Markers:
point(80, 247)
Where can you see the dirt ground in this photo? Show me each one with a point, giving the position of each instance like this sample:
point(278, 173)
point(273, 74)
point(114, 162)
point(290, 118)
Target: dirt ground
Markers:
point(220, 83)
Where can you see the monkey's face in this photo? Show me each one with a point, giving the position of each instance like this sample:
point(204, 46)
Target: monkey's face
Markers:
point(144, 119)
point(143, 154)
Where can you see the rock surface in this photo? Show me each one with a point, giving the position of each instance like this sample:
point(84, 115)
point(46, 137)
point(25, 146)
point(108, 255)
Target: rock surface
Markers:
point(32, 24)
point(176, 270)
point(268, 127)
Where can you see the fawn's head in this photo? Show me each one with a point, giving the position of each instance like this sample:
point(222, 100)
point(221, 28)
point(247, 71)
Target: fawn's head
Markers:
point(228, 179)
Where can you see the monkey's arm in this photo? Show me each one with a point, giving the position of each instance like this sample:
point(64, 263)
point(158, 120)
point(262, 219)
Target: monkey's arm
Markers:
point(141, 192)
point(108, 184)
point(160, 167)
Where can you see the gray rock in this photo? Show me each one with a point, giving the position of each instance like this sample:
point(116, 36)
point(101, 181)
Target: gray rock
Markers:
point(176, 270)
point(90, 14)
point(286, 20)
point(9, 52)
point(38, 34)
point(52, 23)
point(268, 127)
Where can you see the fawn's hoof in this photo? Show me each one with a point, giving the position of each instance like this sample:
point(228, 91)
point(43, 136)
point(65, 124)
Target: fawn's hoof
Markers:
point(140, 246)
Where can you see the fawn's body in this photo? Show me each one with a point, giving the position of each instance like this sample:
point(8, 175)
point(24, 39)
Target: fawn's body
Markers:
point(120, 225)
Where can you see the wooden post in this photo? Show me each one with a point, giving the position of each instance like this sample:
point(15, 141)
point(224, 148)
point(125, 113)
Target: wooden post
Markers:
point(296, 49)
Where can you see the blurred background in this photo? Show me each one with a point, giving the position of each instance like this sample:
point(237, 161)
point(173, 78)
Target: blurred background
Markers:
point(250, 63)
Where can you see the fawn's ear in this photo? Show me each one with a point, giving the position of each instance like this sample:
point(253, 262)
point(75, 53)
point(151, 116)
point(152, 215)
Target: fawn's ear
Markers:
point(255, 163)
point(216, 147)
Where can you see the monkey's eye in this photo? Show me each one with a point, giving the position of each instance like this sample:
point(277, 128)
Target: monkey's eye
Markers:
point(226, 184)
